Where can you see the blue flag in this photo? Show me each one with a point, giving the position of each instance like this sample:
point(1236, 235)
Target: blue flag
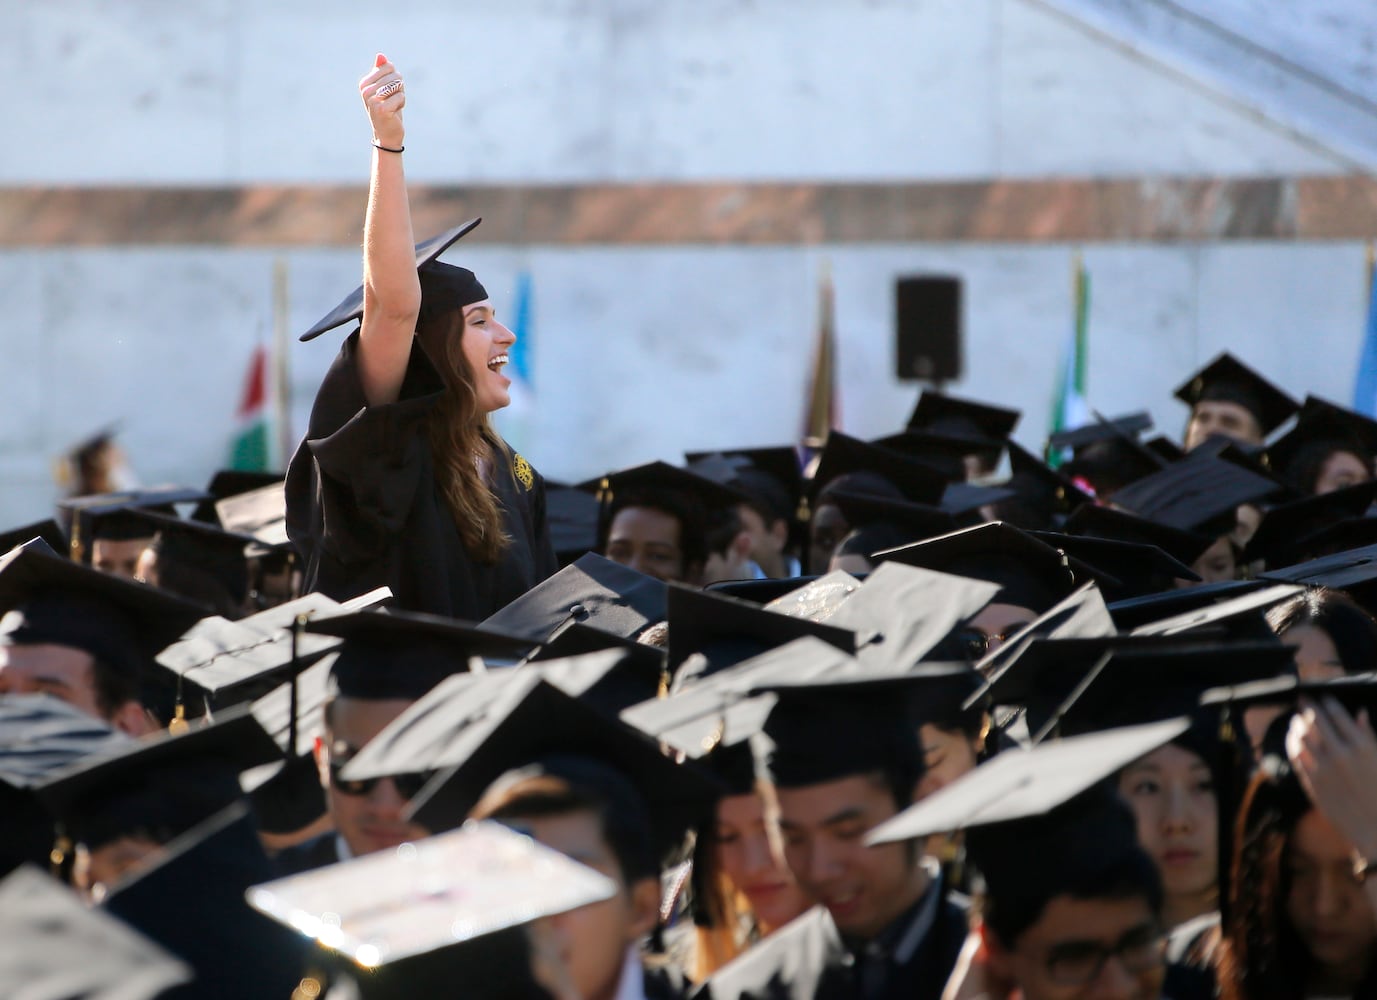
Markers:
point(1365, 389)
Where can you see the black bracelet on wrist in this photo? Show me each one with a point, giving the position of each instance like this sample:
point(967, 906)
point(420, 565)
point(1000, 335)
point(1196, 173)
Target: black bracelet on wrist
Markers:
point(388, 149)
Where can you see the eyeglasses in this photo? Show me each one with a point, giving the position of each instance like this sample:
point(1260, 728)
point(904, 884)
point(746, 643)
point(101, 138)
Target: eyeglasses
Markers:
point(977, 644)
point(408, 785)
point(1079, 963)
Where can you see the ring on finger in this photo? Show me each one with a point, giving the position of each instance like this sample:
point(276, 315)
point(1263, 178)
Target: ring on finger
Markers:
point(387, 90)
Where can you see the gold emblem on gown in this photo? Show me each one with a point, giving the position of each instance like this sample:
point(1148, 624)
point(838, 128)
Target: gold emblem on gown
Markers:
point(521, 468)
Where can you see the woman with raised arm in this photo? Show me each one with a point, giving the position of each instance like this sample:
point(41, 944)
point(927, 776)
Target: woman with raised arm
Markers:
point(401, 481)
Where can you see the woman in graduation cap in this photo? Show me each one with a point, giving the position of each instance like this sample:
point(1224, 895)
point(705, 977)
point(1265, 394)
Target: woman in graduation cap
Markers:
point(402, 481)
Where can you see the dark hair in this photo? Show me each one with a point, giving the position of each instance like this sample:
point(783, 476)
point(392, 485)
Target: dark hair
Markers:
point(874, 537)
point(113, 687)
point(693, 543)
point(1352, 630)
point(610, 797)
point(720, 528)
point(1132, 875)
point(1303, 470)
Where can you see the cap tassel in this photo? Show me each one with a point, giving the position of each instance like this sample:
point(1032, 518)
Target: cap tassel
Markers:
point(178, 725)
point(662, 692)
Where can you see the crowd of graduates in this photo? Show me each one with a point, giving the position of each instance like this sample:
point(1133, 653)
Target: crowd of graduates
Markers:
point(926, 716)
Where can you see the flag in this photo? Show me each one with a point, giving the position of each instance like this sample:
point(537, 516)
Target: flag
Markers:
point(249, 451)
point(517, 418)
point(822, 414)
point(1365, 389)
point(1070, 408)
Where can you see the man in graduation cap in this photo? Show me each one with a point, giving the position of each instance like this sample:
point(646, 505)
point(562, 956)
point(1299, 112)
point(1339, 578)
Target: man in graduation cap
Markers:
point(86, 637)
point(844, 759)
point(1228, 398)
point(386, 663)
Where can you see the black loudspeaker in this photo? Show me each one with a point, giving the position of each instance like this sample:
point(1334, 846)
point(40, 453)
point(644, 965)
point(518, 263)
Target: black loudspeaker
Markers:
point(927, 328)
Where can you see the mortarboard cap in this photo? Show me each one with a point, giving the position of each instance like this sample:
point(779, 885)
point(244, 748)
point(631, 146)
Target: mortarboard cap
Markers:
point(768, 591)
point(814, 597)
point(1238, 615)
point(1353, 571)
point(1094, 521)
point(260, 514)
point(980, 424)
point(1030, 572)
point(1228, 380)
point(727, 630)
point(1139, 568)
point(1080, 615)
point(1050, 803)
point(200, 561)
point(416, 921)
point(122, 623)
point(943, 455)
point(572, 517)
point(1321, 428)
point(161, 782)
point(605, 671)
point(1199, 493)
point(875, 470)
point(593, 591)
point(655, 477)
point(1285, 536)
point(58, 948)
point(287, 795)
point(427, 253)
point(914, 521)
point(403, 654)
point(532, 722)
point(190, 900)
point(1113, 429)
point(1026, 784)
point(1042, 487)
point(108, 515)
point(228, 483)
point(771, 477)
point(1353, 691)
point(47, 529)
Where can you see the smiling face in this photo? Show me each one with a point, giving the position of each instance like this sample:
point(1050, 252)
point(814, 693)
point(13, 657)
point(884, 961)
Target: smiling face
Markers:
point(747, 857)
point(485, 344)
point(824, 826)
point(1172, 794)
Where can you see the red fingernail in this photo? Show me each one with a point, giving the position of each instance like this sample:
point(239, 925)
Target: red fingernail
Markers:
point(379, 60)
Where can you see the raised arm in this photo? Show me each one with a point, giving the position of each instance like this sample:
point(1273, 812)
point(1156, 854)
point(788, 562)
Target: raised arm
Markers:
point(391, 289)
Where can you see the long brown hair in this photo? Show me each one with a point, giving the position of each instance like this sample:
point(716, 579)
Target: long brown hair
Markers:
point(462, 442)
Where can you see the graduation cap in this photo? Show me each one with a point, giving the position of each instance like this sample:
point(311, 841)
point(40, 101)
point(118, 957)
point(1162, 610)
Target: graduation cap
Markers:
point(532, 721)
point(1046, 491)
point(109, 515)
point(403, 654)
point(914, 521)
point(412, 934)
point(287, 795)
point(769, 591)
point(1286, 534)
point(944, 455)
point(981, 424)
point(58, 948)
point(1353, 691)
point(47, 529)
point(122, 623)
point(259, 513)
point(40, 735)
point(1094, 521)
point(815, 597)
point(572, 517)
point(654, 477)
point(191, 902)
point(166, 781)
point(227, 483)
point(1141, 684)
point(1050, 804)
point(1080, 615)
point(866, 468)
point(1239, 616)
point(1030, 572)
point(606, 671)
point(593, 591)
point(1139, 568)
point(1321, 429)
point(199, 561)
point(727, 631)
point(1199, 493)
point(1228, 380)
point(1102, 430)
point(771, 477)
point(427, 253)
point(221, 663)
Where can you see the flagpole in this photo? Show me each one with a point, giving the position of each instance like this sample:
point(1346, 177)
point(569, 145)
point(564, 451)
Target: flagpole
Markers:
point(282, 387)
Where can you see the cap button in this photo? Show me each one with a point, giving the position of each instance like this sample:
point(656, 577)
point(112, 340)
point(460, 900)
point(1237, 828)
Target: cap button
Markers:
point(578, 611)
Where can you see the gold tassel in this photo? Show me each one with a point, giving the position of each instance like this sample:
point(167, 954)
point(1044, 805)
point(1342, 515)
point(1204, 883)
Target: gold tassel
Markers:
point(178, 725)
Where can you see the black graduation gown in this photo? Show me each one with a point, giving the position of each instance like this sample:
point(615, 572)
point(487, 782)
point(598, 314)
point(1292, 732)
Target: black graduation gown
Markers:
point(365, 510)
point(807, 960)
point(318, 852)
